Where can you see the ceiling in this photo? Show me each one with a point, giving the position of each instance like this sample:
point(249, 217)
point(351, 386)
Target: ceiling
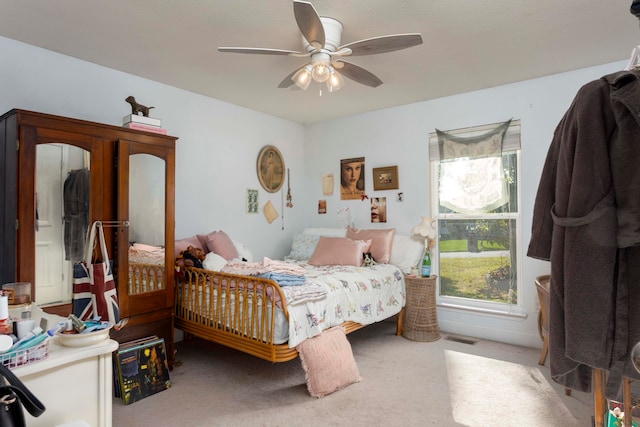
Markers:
point(468, 45)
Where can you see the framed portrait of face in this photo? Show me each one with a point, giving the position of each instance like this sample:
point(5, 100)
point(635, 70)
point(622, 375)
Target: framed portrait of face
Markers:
point(271, 168)
point(352, 178)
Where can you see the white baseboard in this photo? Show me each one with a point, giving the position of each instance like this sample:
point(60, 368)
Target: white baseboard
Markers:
point(479, 329)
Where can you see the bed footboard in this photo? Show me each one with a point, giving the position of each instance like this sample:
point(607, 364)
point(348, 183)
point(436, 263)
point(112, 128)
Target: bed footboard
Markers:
point(232, 310)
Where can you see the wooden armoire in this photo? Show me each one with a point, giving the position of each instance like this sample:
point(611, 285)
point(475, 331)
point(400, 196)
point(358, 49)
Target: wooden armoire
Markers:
point(34, 215)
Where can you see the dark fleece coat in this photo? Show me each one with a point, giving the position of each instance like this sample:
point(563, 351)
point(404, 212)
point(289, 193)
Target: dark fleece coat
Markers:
point(586, 221)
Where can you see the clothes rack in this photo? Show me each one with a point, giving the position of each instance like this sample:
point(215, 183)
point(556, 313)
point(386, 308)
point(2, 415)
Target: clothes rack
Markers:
point(112, 223)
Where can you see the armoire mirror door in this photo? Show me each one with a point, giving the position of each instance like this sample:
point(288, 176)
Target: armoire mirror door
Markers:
point(145, 172)
point(62, 218)
point(47, 158)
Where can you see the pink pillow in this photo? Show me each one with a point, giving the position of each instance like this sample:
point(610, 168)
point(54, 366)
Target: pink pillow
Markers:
point(203, 241)
point(328, 363)
point(339, 251)
point(220, 243)
point(181, 245)
point(382, 241)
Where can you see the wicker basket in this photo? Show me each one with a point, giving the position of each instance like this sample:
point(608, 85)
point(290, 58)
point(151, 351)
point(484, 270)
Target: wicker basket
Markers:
point(25, 356)
point(420, 315)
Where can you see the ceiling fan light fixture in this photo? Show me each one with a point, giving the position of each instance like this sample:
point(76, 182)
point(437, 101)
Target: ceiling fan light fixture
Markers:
point(321, 71)
point(321, 39)
point(335, 81)
point(303, 77)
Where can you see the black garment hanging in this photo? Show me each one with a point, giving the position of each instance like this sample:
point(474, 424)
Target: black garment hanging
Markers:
point(635, 8)
point(76, 213)
point(586, 221)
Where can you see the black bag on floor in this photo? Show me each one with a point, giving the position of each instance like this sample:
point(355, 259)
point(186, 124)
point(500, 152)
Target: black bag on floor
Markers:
point(13, 395)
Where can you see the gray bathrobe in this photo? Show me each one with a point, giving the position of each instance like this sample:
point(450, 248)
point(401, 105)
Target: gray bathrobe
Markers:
point(586, 221)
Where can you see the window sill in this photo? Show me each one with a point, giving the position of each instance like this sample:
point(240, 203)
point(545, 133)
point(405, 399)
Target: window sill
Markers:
point(514, 313)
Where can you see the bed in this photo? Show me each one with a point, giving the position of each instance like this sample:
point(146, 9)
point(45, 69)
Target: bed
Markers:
point(267, 318)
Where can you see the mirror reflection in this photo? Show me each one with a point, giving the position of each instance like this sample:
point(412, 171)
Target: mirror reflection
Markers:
point(62, 218)
point(146, 199)
point(146, 224)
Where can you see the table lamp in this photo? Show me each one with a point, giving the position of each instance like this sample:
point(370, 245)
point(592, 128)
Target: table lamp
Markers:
point(427, 230)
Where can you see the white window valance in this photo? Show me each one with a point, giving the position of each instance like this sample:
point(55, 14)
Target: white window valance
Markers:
point(471, 169)
point(510, 142)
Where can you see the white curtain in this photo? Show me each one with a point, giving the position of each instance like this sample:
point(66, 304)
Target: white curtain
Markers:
point(471, 171)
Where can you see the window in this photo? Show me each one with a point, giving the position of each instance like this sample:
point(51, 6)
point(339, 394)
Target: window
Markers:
point(475, 198)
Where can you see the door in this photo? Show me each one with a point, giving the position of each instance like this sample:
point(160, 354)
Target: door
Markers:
point(52, 270)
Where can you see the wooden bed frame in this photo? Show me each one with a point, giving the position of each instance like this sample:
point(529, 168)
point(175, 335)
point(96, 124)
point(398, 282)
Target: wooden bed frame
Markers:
point(235, 320)
point(145, 278)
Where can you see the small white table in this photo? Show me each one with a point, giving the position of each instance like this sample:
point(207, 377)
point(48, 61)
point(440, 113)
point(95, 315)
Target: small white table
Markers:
point(72, 383)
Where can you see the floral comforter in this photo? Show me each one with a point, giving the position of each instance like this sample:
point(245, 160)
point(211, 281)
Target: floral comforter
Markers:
point(361, 294)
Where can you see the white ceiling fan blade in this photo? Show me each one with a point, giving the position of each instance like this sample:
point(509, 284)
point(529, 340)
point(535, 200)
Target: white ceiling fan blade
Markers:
point(383, 44)
point(358, 74)
point(288, 81)
point(309, 23)
point(260, 51)
point(344, 51)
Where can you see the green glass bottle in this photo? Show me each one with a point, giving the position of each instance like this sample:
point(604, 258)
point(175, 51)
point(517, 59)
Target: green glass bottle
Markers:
point(426, 264)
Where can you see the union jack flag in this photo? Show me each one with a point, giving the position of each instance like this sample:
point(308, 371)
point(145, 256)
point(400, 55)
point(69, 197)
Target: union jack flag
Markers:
point(94, 292)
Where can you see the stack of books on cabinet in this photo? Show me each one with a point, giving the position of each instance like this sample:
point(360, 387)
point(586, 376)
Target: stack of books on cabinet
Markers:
point(148, 124)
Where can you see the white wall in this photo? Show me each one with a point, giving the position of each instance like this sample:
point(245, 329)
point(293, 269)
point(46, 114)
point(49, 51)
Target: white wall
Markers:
point(399, 136)
point(219, 144)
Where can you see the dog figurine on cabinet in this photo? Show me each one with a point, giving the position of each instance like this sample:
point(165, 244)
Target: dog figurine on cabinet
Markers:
point(137, 108)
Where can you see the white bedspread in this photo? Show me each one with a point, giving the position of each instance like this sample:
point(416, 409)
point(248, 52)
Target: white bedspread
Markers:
point(361, 294)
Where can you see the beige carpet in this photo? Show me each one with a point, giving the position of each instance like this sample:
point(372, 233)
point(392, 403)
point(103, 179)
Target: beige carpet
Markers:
point(405, 383)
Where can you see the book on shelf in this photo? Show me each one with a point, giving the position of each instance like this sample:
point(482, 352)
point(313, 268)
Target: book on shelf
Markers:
point(147, 128)
point(143, 120)
point(142, 369)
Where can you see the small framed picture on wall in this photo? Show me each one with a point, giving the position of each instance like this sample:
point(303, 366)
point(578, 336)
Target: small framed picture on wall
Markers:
point(252, 201)
point(385, 178)
point(322, 206)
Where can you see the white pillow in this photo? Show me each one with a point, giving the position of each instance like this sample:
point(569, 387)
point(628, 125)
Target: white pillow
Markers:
point(326, 232)
point(406, 252)
point(213, 262)
point(243, 251)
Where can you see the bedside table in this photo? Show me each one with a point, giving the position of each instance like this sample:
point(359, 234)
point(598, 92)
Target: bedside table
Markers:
point(419, 316)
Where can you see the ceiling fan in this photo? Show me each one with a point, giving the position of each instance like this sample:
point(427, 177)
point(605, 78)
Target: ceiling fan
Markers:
point(321, 40)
